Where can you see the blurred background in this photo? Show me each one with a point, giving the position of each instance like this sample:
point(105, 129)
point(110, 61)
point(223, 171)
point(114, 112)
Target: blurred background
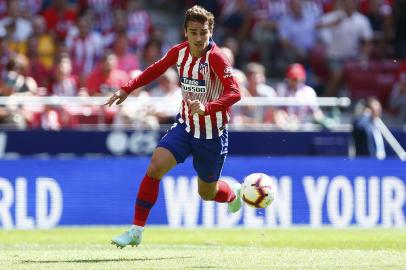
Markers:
point(323, 81)
point(303, 66)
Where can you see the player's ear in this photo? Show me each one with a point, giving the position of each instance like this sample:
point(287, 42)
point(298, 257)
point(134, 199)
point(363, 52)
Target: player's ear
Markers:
point(184, 31)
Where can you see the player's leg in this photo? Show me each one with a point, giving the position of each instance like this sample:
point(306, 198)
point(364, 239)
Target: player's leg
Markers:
point(208, 160)
point(172, 149)
point(221, 191)
point(162, 161)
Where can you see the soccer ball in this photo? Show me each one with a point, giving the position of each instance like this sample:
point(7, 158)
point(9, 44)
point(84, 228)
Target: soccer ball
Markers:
point(257, 191)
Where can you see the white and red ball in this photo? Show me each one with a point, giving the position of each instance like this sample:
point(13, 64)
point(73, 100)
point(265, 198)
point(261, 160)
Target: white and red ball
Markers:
point(257, 190)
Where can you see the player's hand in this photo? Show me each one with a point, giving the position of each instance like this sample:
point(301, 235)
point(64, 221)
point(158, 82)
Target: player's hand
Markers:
point(118, 97)
point(195, 106)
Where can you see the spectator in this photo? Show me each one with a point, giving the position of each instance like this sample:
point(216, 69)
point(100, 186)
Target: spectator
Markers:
point(256, 87)
point(37, 70)
point(379, 14)
point(256, 81)
point(119, 29)
point(237, 18)
point(167, 88)
point(3, 8)
point(5, 53)
point(368, 140)
point(265, 30)
point(291, 117)
point(126, 60)
point(106, 77)
point(15, 81)
point(59, 18)
point(139, 24)
point(344, 30)
point(30, 8)
point(45, 45)
point(232, 44)
point(102, 12)
point(64, 83)
point(85, 47)
point(151, 52)
point(136, 114)
point(297, 33)
point(20, 28)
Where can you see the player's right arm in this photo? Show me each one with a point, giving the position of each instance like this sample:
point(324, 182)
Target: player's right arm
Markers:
point(148, 75)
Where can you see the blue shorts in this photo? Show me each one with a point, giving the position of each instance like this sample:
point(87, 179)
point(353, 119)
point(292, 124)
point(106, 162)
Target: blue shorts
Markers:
point(208, 154)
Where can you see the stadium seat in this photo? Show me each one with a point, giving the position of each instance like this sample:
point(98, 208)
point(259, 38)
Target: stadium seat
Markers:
point(360, 79)
point(373, 79)
point(390, 65)
point(318, 65)
point(383, 86)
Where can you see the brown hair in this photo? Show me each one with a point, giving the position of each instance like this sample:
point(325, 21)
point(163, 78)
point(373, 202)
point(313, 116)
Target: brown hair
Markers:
point(200, 15)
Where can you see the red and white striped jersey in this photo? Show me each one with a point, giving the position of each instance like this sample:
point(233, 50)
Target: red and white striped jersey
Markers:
point(85, 52)
point(208, 79)
point(139, 27)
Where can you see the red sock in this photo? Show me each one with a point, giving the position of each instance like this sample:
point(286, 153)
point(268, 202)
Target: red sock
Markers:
point(146, 198)
point(224, 193)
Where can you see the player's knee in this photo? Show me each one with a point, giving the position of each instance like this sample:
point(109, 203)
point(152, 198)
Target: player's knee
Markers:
point(156, 170)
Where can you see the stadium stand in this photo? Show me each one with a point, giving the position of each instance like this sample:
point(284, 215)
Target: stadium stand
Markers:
point(138, 31)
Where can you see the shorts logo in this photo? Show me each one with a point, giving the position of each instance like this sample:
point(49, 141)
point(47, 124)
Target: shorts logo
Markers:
point(203, 68)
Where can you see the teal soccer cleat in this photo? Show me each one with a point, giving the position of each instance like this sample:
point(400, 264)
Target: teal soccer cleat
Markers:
point(236, 204)
point(131, 237)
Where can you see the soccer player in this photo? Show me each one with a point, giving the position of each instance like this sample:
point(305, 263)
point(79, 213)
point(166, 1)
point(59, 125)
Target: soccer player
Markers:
point(208, 90)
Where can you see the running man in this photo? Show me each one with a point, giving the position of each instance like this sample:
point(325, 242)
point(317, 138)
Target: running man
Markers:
point(208, 91)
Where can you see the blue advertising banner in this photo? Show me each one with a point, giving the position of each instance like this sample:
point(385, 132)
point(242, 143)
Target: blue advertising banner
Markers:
point(142, 142)
point(309, 191)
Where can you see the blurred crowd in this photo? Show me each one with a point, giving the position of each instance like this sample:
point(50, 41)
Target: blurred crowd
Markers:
point(279, 48)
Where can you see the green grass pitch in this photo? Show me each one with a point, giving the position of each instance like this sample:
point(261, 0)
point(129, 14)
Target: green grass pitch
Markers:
point(239, 248)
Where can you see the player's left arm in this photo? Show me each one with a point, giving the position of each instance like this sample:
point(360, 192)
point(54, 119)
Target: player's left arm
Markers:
point(231, 93)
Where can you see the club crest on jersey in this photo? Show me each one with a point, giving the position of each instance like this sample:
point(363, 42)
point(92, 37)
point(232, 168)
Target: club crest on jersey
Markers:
point(203, 68)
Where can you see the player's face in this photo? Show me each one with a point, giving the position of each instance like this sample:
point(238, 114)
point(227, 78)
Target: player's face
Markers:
point(197, 34)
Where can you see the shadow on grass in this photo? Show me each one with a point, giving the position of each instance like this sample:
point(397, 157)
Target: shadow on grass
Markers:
point(105, 260)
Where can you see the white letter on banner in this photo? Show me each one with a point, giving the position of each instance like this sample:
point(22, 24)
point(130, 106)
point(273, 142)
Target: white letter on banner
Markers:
point(208, 214)
point(393, 200)
point(281, 207)
point(182, 201)
point(22, 220)
point(45, 186)
point(224, 218)
point(6, 199)
point(315, 195)
point(340, 184)
point(251, 219)
point(366, 214)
